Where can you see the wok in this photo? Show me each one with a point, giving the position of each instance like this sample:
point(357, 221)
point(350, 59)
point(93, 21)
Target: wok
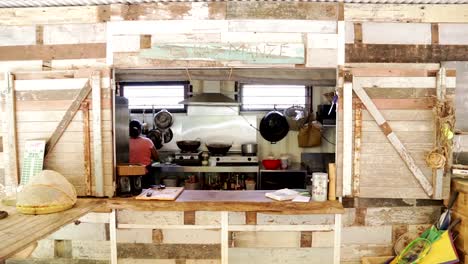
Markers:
point(274, 127)
point(188, 145)
point(218, 148)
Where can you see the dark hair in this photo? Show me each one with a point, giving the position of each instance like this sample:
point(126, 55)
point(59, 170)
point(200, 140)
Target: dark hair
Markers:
point(135, 128)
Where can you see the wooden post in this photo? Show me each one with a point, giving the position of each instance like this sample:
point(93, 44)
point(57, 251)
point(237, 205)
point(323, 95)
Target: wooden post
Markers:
point(438, 174)
point(113, 236)
point(357, 148)
point(97, 134)
point(11, 148)
point(347, 133)
point(337, 240)
point(332, 181)
point(392, 137)
point(86, 147)
point(224, 237)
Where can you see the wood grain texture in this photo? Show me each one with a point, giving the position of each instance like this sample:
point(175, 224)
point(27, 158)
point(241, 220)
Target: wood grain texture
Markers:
point(53, 52)
point(67, 118)
point(282, 10)
point(444, 13)
point(388, 53)
point(434, 34)
point(357, 149)
point(357, 33)
point(54, 15)
point(251, 218)
point(246, 201)
point(18, 230)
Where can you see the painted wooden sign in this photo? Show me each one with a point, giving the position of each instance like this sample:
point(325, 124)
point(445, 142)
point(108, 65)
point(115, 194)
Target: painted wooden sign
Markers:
point(248, 53)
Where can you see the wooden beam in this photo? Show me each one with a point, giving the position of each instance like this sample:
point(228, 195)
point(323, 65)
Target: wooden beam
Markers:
point(97, 134)
point(357, 148)
point(438, 174)
point(347, 134)
point(225, 237)
point(87, 147)
point(11, 160)
point(434, 33)
point(394, 53)
point(113, 236)
point(357, 33)
point(391, 136)
point(67, 118)
point(53, 52)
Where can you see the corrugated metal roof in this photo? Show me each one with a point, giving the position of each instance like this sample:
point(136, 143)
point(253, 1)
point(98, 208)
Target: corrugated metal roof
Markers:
point(43, 3)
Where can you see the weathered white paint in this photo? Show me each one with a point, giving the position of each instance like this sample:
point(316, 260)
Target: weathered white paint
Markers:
point(257, 228)
point(50, 84)
point(166, 26)
point(254, 37)
point(74, 33)
point(347, 137)
point(453, 34)
point(112, 236)
point(17, 35)
point(284, 26)
point(322, 58)
point(281, 256)
point(197, 236)
point(275, 219)
point(322, 41)
point(378, 235)
point(83, 231)
point(134, 235)
point(349, 32)
point(126, 43)
point(396, 33)
point(266, 239)
point(149, 218)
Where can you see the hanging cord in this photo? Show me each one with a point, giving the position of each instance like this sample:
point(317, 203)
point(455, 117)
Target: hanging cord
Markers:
point(230, 74)
point(327, 139)
point(188, 74)
point(252, 126)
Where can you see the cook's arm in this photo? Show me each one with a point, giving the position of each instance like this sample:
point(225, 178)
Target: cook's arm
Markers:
point(154, 154)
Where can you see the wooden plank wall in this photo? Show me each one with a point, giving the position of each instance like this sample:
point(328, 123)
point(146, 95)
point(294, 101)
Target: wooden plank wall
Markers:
point(311, 24)
point(406, 103)
point(406, 33)
point(41, 102)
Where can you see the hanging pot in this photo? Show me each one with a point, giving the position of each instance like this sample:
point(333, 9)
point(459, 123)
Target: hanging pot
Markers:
point(274, 127)
point(168, 135)
point(163, 119)
point(156, 136)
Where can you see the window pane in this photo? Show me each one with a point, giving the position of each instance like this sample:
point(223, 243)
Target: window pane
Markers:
point(157, 96)
point(259, 97)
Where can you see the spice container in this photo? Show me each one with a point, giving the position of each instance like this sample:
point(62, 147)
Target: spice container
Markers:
point(319, 186)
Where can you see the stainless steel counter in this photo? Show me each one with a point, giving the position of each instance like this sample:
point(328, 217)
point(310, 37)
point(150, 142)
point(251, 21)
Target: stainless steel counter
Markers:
point(178, 168)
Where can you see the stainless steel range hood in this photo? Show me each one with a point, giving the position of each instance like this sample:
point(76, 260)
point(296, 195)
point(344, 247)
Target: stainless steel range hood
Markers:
point(210, 99)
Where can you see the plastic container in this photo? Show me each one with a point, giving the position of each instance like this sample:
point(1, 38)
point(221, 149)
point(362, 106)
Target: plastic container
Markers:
point(319, 186)
point(250, 185)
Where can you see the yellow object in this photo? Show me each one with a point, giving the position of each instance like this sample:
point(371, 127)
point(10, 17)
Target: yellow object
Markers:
point(442, 251)
point(447, 132)
point(47, 192)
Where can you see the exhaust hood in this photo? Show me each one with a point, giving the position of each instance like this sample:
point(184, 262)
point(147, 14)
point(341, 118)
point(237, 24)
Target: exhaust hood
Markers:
point(209, 93)
point(210, 99)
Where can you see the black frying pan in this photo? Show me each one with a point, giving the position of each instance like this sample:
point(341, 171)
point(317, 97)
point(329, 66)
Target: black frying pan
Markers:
point(274, 127)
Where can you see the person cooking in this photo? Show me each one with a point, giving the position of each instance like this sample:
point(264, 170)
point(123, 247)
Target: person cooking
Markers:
point(142, 151)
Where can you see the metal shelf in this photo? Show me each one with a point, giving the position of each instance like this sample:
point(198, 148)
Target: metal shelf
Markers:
point(295, 167)
point(178, 168)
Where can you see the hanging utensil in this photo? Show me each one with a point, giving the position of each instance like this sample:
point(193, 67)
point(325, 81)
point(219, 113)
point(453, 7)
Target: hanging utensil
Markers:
point(144, 125)
point(445, 217)
point(163, 119)
point(168, 135)
point(274, 127)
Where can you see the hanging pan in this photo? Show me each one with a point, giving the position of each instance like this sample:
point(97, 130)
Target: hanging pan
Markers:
point(163, 119)
point(274, 127)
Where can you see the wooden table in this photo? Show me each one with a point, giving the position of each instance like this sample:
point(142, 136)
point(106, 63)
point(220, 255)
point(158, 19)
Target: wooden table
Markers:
point(17, 231)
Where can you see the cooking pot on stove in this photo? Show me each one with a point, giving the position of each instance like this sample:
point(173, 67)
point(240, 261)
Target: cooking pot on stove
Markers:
point(218, 148)
point(188, 145)
point(274, 126)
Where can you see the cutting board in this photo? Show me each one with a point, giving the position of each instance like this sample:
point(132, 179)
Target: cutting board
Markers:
point(167, 194)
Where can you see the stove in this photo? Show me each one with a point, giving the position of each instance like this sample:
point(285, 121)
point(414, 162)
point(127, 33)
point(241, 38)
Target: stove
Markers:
point(234, 159)
point(188, 158)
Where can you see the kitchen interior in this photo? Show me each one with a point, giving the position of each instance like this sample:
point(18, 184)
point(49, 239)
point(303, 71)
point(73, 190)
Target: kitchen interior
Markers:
point(229, 129)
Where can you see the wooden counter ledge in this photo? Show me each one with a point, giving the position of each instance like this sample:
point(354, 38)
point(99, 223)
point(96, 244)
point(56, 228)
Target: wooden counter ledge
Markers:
point(232, 201)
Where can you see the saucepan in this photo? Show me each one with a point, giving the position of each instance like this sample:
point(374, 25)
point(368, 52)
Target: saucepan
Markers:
point(249, 149)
